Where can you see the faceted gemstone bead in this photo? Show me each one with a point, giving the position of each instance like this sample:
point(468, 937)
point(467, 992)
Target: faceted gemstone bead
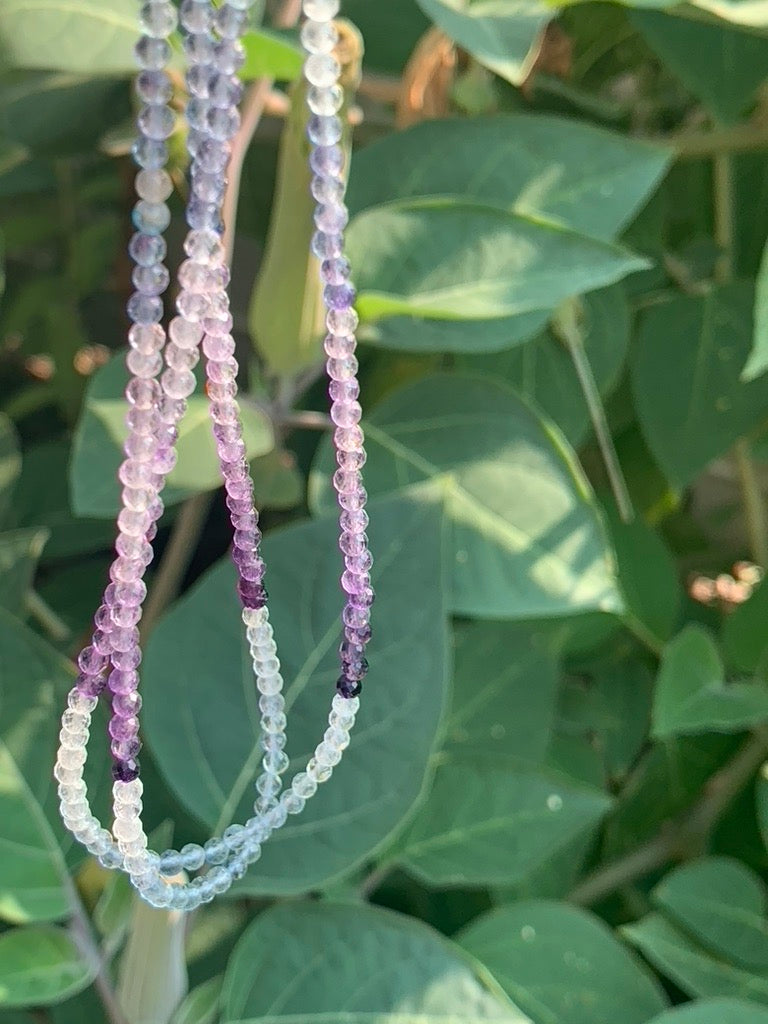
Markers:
point(252, 595)
point(319, 37)
point(198, 78)
point(156, 121)
point(332, 218)
point(325, 101)
point(151, 218)
point(324, 130)
point(326, 246)
point(125, 771)
point(145, 309)
point(154, 186)
point(327, 190)
point(154, 87)
point(339, 296)
point(152, 54)
point(150, 153)
point(152, 280)
point(195, 16)
point(147, 249)
point(158, 18)
point(326, 161)
point(348, 688)
point(230, 21)
point(229, 56)
point(321, 10)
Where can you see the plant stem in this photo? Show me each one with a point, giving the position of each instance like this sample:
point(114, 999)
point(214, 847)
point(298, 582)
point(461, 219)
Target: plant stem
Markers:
point(82, 934)
point(54, 626)
point(567, 327)
point(684, 837)
point(372, 882)
point(698, 145)
point(754, 504)
point(306, 419)
point(722, 170)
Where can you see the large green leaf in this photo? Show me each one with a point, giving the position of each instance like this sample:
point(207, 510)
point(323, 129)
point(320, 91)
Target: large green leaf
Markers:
point(696, 345)
point(715, 1011)
point(506, 712)
point(690, 966)
point(499, 33)
point(526, 539)
point(721, 66)
point(744, 638)
point(542, 370)
point(97, 449)
point(40, 966)
point(313, 963)
point(92, 36)
point(692, 695)
point(570, 172)
point(485, 824)
point(722, 904)
point(20, 552)
point(31, 882)
point(34, 680)
point(455, 260)
point(269, 55)
point(210, 756)
point(562, 965)
point(10, 464)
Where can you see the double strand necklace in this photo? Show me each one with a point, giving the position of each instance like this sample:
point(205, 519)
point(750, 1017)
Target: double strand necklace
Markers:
point(161, 379)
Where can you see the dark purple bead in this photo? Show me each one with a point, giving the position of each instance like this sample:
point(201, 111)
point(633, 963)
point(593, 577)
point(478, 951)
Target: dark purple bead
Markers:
point(253, 595)
point(348, 688)
point(90, 686)
point(349, 650)
point(356, 668)
point(359, 635)
point(363, 600)
point(125, 771)
point(339, 296)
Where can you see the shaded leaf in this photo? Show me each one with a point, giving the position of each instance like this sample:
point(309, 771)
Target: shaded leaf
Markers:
point(210, 756)
point(201, 1005)
point(91, 36)
point(525, 536)
point(722, 904)
point(692, 695)
point(489, 825)
point(562, 965)
point(10, 464)
point(31, 882)
point(697, 345)
point(715, 1011)
point(97, 448)
point(322, 962)
point(20, 552)
point(39, 966)
point(452, 260)
point(757, 363)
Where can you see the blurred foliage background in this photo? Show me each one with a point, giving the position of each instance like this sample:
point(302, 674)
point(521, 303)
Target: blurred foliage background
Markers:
point(555, 808)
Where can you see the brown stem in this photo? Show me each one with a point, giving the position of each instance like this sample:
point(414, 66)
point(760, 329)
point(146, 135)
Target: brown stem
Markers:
point(685, 837)
point(82, 934)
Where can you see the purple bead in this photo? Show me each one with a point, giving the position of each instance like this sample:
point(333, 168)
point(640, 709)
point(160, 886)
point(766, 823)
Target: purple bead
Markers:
point(92, 662)
point(125, 771)
point(359, 636)
point(252, 568)
point(145, 309)
point(125, 750)
point(90, 686)
point(123, 681)
point(327, 161)
point(154, 87)
point(147, 250)
point(348, 688)
point(126, 704)
point(128, 660)
point(252, 595)
point(123, 728)
point(325, 246)
point(335, 271)
point(357, 618)
point(339, 296)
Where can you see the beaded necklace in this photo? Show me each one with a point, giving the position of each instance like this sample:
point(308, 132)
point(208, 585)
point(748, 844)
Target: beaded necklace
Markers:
point(161, 368)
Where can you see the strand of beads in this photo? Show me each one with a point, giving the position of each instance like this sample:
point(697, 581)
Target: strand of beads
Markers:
point(240, 845)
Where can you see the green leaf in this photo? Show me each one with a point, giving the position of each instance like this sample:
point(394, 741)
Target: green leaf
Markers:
point(10, 464)
point(421, 334)
point(715, 1011)
point(34, 681)
point(317, 963)
point(270, 55)
point(277, 481)
point(508, 712)
point(499, 33)
point(562, 965)
point(40, 966)
point(547, 168)
point(32, 880)
point(761, 803)
point(446, 259)
point(690, 966)
point(692, 695)
point(757, 363)
point(648, 575)
point(90, 36)
point(744, 640)
point(488, 825)
point(721, 66)
point(42, 500)
point(697, 345)
point(722, 904)
point(542, 371)
point(210, 755)
point(525, 536)
point(20, 552)
point(97, 449)
point(201, 1005)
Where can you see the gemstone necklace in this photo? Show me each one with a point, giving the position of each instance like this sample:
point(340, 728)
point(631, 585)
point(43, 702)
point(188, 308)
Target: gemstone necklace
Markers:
point(161, 379)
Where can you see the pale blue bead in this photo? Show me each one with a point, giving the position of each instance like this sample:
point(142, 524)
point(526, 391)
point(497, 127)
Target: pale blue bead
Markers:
point(212, 157)
point(208, 187)
point(150, 153)
point(229, 56)
point(234, 836)
point(151, 218)
point(198, 77)
point(220, 879)
point(192, 857)
point(145, 309)
point(195, 16)
point(195, 139)
point(156, 121)
point(199, 48)
point(154, 87)
point(224, 90)
point(152, 54)
point(327, 161)
point(111, 859)
point(331, 218)
point(216, 851)
point(171, 863)
point(238, 866)
point(325, 246)
point(197, 112)
point(222, 123)
point(321, 10)
point(179, 899)
point(324, 131)
point(230, 21)
point(146, 250)
point(151, 280)
point(158, 18)
point(203, 216)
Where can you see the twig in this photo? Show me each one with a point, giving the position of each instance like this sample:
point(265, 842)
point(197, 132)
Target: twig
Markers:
point(723, 201)
point(82, 934)
point(55, 627)
point(685, 837)
point(695, 145)
point(754, 503)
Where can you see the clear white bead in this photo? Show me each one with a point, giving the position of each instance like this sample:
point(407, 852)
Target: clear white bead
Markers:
point(321, 10)
point(322, 69)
